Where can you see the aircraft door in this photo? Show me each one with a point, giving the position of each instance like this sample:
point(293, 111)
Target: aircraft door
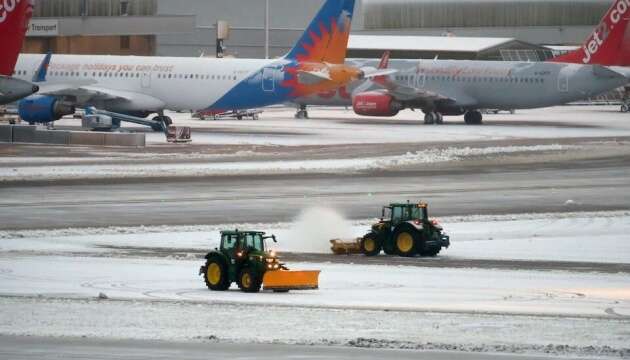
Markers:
point(563, 82)
point(146, 80)
point(268, 79)
point(420, 78)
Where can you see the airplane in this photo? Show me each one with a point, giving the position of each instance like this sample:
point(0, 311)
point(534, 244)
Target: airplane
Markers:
point(14, 18)
point(460, 87)
point(137, 85)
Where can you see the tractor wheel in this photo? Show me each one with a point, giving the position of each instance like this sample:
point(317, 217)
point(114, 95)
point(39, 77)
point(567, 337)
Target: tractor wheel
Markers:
point(249, 281)
point(370, 245)
point(405, 238)
point(216, 275)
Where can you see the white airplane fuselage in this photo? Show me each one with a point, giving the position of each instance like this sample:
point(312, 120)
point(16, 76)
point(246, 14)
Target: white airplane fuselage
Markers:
point(488, 84)
point(155, 83)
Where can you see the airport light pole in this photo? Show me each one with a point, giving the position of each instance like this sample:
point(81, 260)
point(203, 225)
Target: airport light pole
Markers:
point(266, 29)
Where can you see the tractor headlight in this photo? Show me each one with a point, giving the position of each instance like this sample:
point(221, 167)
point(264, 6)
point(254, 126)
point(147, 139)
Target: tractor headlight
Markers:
point(269, 260)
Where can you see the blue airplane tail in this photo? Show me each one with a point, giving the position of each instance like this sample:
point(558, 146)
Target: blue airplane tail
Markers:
point(326, 38)
point(42, 70)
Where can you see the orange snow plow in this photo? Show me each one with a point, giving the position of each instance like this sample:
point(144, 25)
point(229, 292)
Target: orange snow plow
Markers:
point(285, 280)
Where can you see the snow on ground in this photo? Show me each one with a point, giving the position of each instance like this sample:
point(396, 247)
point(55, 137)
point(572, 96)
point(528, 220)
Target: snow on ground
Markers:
point(184, 169)
point(591, 236)
point(340, 126)
point(342, 286)
point(356, 305)
point(183, 321)
point(53, 290)
point(337, 126)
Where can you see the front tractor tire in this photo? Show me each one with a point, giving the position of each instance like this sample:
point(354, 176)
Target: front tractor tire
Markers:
point(405, 239)
point(249, 281)
point(370, 245)
point(431, 251)
point(216, 275)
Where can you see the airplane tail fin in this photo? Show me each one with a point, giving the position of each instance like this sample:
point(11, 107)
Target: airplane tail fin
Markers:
point(42, 70)
point(382, 65)
point(609, 43)
point(326, 38)
point(14, 18)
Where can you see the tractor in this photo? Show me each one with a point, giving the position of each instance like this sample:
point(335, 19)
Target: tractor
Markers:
point(405, 230)
point(243, 258)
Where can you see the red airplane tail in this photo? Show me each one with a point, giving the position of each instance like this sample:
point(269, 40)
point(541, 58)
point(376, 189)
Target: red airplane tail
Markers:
point(609, 43)
point(14, 18)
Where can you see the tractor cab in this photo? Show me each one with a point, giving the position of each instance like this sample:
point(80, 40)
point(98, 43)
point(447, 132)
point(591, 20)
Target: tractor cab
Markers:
point(244, 243)
point(401, 212)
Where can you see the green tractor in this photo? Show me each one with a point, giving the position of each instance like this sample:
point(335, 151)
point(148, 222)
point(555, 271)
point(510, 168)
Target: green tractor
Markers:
point(243, 258)
point(405, 230)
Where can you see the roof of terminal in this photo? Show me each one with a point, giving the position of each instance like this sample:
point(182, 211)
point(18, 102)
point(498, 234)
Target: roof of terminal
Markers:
point(425, 43)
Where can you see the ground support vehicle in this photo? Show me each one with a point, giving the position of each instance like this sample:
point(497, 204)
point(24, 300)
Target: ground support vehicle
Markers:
point(404, 229)
point(243, 258)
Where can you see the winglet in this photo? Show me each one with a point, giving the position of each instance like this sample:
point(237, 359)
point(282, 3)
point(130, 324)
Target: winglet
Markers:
point(42, 70)
point(608, 44)
point(326, 38)
point(14, 18)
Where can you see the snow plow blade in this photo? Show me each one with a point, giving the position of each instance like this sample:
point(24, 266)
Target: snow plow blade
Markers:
point(350, 246)
point(285, 280)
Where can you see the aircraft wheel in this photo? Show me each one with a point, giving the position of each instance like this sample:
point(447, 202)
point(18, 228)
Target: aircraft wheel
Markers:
point(473, 118)
point(625, 108)
point(439, 118)
point(430, 118)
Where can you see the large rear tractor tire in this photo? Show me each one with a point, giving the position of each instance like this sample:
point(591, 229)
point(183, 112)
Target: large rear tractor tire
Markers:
point(216, 275)
point(405, 239)
point(370, 245)
point(249, 281)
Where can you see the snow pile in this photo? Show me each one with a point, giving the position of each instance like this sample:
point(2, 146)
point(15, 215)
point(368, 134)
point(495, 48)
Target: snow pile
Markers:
point(458, 154)
point(313, 229)
point(182, 169)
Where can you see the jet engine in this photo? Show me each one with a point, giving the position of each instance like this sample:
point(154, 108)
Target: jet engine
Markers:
point(374, 103)
point(43, 109)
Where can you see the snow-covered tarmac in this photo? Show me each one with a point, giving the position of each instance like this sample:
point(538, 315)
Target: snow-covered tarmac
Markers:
point(50, 282)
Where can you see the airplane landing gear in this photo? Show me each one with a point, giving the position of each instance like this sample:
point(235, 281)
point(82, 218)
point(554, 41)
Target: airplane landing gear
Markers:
point(473, 118)
point(302, 113)
point(625, 108)
point(433, 118)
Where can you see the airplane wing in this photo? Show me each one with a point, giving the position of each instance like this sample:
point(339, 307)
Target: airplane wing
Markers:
point(89, 91)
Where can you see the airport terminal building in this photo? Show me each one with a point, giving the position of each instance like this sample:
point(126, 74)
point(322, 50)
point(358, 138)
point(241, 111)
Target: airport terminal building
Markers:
point(188, 27)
